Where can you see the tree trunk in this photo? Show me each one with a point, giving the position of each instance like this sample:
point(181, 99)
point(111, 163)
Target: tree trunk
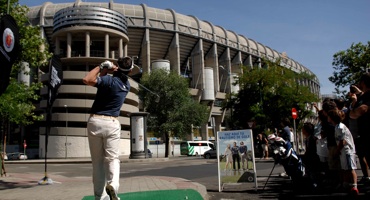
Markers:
point(167, 142)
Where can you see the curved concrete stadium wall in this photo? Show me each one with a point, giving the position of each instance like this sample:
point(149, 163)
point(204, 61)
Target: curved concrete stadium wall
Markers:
point(194, 48)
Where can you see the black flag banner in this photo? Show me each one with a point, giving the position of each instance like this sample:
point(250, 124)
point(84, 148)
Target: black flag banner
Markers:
point(9, 48)
point(55, 79)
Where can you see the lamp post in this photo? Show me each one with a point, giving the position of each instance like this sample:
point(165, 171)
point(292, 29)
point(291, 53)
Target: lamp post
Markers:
point(66, 150)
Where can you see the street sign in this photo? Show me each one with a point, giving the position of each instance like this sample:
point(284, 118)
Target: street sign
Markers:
point(294, 113)
point(157, 142)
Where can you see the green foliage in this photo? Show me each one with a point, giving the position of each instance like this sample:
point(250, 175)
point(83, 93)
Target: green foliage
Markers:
point(16, 104)
point(176, 111)
point(268, 95)
point(349, 65)
point(33, 48)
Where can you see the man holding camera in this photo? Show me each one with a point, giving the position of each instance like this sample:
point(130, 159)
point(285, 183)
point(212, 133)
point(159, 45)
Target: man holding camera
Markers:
point(103, 127)
point(360, 113)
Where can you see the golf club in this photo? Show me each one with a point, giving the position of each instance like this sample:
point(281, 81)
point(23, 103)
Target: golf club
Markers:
point(142, 86)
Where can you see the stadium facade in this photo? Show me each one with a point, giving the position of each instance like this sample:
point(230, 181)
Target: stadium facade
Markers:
point(84, 34)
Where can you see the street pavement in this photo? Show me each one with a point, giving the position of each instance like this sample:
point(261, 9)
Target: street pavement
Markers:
point(17, 186)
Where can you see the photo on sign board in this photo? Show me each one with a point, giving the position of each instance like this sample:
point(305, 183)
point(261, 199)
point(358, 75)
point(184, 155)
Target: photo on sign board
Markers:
point(236, 163)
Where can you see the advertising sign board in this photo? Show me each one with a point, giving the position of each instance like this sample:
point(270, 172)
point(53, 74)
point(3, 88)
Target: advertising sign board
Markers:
point(235, 153)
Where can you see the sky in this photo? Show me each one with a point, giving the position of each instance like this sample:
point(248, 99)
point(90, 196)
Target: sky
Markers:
point(310, 32)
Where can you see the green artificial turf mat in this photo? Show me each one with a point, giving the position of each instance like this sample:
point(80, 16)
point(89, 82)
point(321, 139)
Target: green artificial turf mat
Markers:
point(189, 194)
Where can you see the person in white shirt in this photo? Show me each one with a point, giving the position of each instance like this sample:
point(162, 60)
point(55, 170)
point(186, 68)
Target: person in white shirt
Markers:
point(345, 149)
point(292, 138)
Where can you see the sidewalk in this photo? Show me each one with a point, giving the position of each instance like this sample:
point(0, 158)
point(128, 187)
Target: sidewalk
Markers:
point(19, 186)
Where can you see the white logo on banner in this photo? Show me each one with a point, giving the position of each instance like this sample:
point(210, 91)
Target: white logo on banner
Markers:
point(55, 80)
point(8, 40)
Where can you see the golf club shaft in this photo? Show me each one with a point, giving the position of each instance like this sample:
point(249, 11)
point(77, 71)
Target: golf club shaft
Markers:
point(143, 86)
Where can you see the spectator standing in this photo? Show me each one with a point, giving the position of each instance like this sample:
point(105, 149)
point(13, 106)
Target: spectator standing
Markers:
point(236, 156)
point(310, 158)
point(285, 134)
point(359, 111)
point(261, 141)
point(328, 130)
point(292, 139)
point(353, 127)
point(265, 146)
point(103, 127)
point(321, 143)
point(345, 150)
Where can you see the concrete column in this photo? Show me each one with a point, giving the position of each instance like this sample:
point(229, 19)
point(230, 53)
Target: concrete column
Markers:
point(87, 44)
point(211, 60)
point(198, 66)
point(120, 48)
point(218, 126)
point(236, 69)
point(236, 63)
point(145, 52)
point(249, 62)
point(106, 46)
point(226, 62)
point(259, 63)
point(204, 131)
point(69, 45)
point(174, 54)
point(125, 50)
point(112, 54)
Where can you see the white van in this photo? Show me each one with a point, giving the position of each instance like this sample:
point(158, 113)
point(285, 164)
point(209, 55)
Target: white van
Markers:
point(195, 148)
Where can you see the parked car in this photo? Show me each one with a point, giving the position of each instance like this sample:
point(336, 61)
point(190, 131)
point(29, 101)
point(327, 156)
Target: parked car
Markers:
point(5, 157)
point(212, 153)
point(17, 156)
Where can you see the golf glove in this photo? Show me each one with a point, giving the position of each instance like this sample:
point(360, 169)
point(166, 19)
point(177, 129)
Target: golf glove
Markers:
point(106, 64)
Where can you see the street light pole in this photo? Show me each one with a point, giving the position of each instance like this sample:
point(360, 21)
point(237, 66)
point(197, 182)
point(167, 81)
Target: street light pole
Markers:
point(66, 150)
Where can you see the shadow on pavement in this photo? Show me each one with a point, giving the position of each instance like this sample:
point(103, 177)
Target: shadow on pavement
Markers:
point(284, 188)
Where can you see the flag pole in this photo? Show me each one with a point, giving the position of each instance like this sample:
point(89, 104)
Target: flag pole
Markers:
point(8, 7)
point(46, 180)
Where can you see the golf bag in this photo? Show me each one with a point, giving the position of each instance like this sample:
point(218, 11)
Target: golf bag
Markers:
point(284, 154)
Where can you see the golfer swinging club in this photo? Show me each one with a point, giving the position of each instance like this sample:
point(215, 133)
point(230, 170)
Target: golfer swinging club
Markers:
point(103, 127)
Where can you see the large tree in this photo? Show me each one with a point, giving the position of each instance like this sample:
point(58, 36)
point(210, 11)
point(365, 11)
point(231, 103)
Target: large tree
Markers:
point(17, 102)
point(349, 65)
point(267, 95)
point(174, 112)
